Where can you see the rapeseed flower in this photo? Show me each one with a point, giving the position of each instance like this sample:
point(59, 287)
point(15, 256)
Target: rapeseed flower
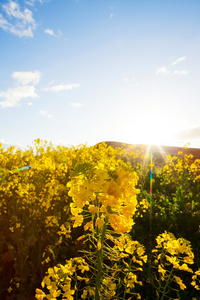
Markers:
point(171, 256)
point(40, 295)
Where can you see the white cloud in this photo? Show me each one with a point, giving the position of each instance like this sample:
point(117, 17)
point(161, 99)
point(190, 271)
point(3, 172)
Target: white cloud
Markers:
point(45, 113)
point(61, 87)
point(32, 2)
point(178, 60)
point(180, 72)
point(51, 32)
point(13, 96)
point(189, 134)
point(3, 22)
point(76, 104)
point(162, 71)
point(16, 21)
point(26, 77)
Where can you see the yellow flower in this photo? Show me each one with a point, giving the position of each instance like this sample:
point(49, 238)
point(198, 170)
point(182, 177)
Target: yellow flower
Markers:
point(68, 292)
point(83, 278)
point(75, 210)
point(93, 209)
point(120, 224)
point(99, 245)
point(144, 258)
point(161, 270)
point(189, 259)
point(40, 294)
point(88, 225)
point(84, 295)
point(184, 267)
point(83, 267)
point(120, 245)
point(180, 282)
point(99, 222)
point(78, 220)
point(80, 238)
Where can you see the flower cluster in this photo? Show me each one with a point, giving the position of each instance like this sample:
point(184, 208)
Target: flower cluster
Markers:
point(132, 258)
point(171, 257)
point(59, 280)
point(106, 192)
point(181, 166)
point(196, 280)
point(142, 207)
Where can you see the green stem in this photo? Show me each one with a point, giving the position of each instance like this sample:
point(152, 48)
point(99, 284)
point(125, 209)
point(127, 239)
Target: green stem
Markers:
point(125, 289)
point(169, 277)
point(99, 272)
point(100, 261)
point(162, 255)
point(76, 285)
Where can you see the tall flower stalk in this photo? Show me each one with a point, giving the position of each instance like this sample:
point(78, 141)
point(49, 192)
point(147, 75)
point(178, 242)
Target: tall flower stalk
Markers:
point(109, 195)
point(104, 202)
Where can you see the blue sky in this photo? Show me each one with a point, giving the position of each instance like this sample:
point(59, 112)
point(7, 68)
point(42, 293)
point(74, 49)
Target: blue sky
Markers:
point(85, 71)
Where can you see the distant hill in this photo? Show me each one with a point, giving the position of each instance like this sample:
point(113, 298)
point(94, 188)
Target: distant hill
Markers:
point(159, 152)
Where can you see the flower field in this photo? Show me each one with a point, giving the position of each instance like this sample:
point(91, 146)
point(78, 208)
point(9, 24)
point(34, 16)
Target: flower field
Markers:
point(83, 223)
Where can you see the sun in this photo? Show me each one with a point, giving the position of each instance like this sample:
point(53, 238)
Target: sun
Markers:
point(155, 127)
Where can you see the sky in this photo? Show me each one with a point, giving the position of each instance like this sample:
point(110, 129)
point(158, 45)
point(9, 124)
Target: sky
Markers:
point(85, 71)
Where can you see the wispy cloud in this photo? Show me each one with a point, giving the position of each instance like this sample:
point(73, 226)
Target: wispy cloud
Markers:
point(61, 87)
point(32, 2)
point(76, 104)
point(111, 14)
point(17, 21)
point(52, 33)
point(45, 113)
point(13, 96)
point(165, 71)
point(178, 60)
point(25, 78)
point(180, 72)
point(162, 71)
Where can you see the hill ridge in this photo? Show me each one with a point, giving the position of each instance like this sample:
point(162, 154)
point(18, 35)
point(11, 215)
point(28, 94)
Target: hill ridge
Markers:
point(156, 149)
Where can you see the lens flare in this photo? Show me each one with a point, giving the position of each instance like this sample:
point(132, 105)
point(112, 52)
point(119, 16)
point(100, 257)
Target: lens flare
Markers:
point(21, 169)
